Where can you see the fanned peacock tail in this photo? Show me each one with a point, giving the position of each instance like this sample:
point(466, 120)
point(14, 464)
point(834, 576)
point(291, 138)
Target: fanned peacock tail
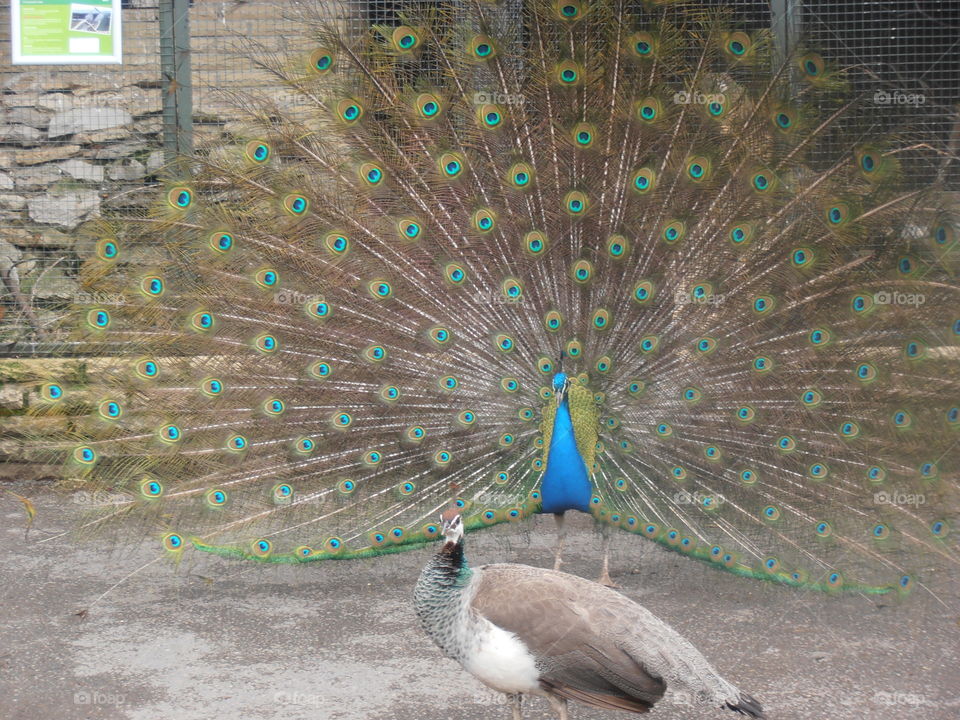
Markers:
point(366, 298)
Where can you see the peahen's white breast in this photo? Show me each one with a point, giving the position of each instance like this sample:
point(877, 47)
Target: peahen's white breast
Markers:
point(499, 659)
point(443, 600)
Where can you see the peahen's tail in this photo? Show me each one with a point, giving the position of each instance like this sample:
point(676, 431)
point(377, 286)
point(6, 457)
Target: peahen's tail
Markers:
point(746, 705)
point(363, 300)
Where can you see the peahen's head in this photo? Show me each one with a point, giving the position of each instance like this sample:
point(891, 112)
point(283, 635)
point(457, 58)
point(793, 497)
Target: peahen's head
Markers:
point(451, 526)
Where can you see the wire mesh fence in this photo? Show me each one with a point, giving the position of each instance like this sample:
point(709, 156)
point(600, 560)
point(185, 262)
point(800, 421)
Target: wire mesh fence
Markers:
point(68, 136)
point(74, 138)
point(912, 48)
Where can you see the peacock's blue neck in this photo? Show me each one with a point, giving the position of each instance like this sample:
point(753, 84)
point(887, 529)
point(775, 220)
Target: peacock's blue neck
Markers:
point(565, 484)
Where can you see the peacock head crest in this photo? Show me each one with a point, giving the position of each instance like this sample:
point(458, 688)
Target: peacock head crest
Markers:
point(561, 381)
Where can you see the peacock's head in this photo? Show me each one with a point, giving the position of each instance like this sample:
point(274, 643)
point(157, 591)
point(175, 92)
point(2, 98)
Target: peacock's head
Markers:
point(451, 525)
point(560, 382)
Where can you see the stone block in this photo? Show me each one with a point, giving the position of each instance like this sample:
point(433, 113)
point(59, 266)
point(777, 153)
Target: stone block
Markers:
point(97, 137)
point(38, 176)
point(82, 170)
point(119, 150)
point(85, 119)
point(65, 209)
point(127, 170)
point(45, 153)
point(12, 202)
point(23, 135)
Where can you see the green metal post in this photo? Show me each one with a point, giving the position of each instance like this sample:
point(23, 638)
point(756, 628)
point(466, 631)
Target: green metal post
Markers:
point(785, 24)
point(175, 72)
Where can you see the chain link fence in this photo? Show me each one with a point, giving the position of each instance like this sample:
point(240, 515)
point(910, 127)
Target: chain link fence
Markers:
point(69, 136)
point(912, 48)
point(76, 138)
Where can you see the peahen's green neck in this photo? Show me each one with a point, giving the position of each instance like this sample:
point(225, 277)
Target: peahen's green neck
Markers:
point(442, 599)
point(448, 569)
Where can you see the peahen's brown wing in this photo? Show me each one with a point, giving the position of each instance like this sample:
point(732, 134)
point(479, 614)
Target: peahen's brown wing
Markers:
point(579, 633)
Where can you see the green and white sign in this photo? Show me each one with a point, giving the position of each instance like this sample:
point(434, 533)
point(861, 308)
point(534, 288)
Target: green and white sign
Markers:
point(63, 32)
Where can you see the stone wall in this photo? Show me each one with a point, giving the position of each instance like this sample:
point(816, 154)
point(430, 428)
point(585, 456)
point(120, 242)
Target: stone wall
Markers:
point(69, 136)
point(74, 140)
point(73, 137)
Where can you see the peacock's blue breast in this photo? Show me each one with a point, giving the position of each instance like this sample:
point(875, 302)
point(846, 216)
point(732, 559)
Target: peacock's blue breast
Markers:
point(565, 484)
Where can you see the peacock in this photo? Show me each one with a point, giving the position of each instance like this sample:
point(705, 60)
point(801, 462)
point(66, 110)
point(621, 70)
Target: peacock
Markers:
point(616, 258)
point(521, 629)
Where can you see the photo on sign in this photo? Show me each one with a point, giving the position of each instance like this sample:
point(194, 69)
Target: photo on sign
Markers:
point(90, 18)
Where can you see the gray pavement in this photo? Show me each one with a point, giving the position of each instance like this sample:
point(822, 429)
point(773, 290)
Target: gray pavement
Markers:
point(212, 639)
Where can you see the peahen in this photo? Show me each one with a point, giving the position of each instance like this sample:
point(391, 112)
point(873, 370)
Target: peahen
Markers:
point(516, 253)
point(526, 630)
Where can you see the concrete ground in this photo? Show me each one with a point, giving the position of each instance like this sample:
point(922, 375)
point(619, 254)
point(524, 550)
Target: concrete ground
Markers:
point(215, 640)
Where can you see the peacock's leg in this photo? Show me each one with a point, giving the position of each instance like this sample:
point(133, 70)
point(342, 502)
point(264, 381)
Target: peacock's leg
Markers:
point(561, 536)
point(605, 578)
point(515, 705)
point(559, 706)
